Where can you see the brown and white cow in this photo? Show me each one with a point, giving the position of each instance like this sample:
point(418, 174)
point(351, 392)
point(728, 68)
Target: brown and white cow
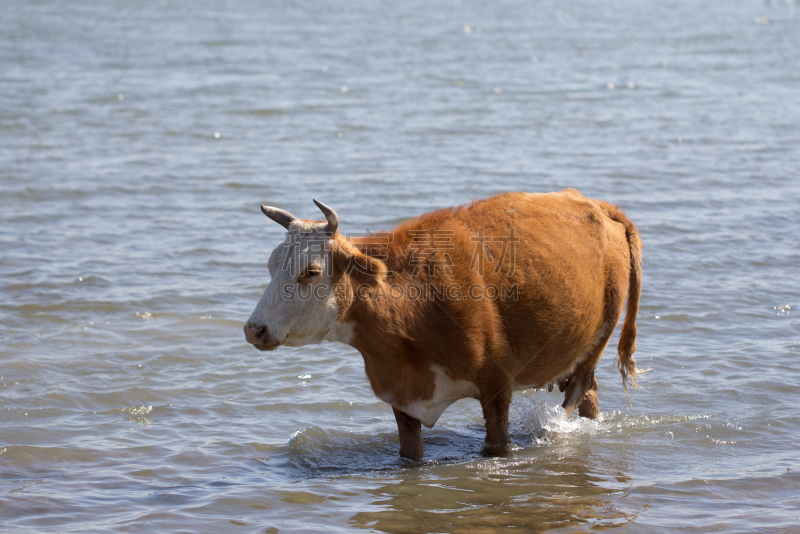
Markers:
point(516, 291)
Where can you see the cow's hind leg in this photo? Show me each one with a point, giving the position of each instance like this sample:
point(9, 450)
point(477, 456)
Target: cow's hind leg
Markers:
point(495, 405)
point(581, 387)
point(589, 406)
point(581, 390)
point(410, 430)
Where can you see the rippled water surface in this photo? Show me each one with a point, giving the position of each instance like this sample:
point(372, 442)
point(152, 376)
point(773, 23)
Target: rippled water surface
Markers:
point(138, 138)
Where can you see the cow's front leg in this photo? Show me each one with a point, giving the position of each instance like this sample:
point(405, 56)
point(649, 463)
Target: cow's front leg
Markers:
point(495, 412)
point(410, 430)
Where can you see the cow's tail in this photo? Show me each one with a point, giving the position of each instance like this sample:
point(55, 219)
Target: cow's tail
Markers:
point(627, 338)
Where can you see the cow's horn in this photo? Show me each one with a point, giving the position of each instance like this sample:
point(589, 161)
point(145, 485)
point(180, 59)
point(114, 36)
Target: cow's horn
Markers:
point(333, 219)
point(284, 218)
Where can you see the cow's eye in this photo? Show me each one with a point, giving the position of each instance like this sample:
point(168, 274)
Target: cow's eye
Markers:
point(310, 273)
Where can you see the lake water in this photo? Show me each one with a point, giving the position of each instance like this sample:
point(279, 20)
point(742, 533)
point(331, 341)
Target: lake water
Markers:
point(138, 138)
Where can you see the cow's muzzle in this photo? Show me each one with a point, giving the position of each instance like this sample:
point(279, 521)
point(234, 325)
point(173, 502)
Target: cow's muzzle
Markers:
point(259, 336)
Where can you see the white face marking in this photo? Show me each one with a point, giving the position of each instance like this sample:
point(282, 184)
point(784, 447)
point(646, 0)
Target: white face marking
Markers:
point(299, 311)
point(446, 392)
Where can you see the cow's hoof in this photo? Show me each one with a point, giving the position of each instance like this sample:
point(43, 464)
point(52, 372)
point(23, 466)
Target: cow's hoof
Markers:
point(496, 449)
point(414, 456)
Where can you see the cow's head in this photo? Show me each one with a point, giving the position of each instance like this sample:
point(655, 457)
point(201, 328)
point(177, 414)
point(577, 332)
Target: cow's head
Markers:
point(314, 273)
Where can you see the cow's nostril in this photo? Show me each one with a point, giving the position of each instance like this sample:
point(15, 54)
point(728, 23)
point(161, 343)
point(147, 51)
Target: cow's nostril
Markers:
point(251, 332)
point(261, 333)
point(257, 334)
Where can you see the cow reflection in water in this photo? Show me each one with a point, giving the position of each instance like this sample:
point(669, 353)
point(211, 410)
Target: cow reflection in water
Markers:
point(516, 291)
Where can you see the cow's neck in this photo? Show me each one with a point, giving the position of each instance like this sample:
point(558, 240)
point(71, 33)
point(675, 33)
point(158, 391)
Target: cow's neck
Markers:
point(382, 333)
point(379, 324)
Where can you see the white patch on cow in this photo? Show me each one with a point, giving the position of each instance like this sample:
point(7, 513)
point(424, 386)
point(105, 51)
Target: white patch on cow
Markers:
point(343, 333)
point(446, 392)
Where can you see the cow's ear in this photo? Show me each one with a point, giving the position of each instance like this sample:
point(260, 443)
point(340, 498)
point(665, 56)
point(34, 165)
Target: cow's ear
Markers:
point(364, 269)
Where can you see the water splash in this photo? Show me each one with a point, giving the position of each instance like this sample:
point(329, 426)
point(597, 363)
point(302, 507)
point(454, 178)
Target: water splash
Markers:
point(546, 422)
